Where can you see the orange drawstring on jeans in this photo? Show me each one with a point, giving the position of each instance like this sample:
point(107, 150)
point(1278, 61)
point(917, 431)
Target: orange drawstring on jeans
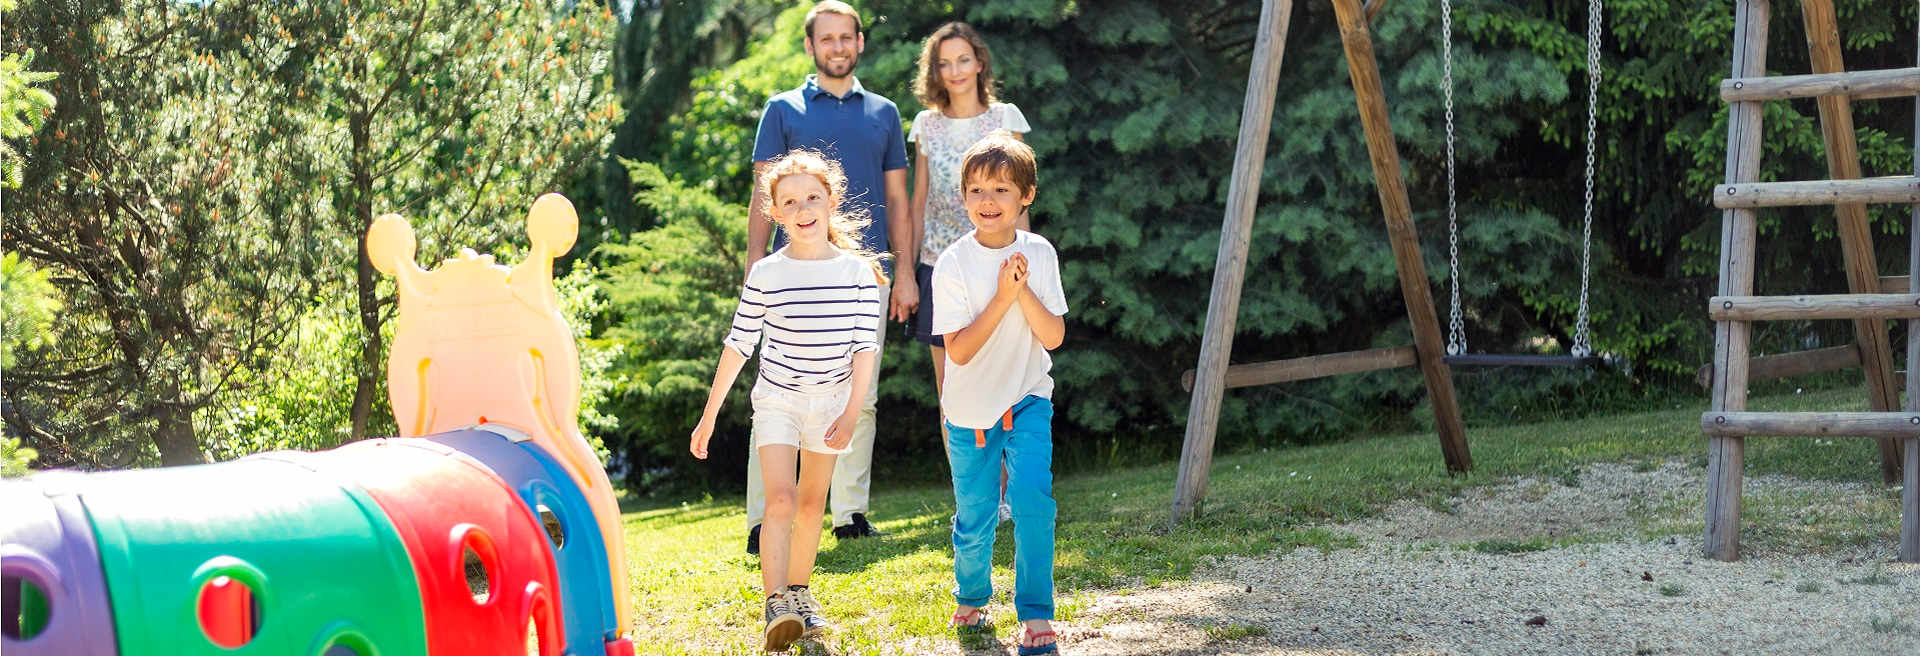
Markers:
point(980, 436)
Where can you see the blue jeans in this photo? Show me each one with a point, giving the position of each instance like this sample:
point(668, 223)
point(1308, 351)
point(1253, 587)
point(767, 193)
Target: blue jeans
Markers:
point(1027, 450)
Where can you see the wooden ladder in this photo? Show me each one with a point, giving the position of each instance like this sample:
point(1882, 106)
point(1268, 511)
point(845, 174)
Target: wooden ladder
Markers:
point(1735, 307)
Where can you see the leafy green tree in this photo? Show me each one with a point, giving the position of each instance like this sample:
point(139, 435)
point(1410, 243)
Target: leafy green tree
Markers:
point(28, 303)
point(456, 115)
point(264, 140)
point(671, 292)
point(23, 107)
point(661, 46)
point(14, 458)
point(148, 199)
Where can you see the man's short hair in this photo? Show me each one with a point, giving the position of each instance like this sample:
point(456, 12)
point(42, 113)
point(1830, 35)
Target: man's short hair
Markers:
point(999, 154)
point(832, 7)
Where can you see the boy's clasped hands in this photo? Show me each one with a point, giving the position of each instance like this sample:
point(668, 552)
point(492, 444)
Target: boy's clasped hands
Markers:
point(1013, 274)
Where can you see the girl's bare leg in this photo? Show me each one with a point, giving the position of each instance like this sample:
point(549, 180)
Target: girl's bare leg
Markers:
point(777, 462)
point(816, 475)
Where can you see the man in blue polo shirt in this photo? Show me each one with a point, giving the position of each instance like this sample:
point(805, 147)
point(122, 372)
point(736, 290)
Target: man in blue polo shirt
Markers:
point(860, 129)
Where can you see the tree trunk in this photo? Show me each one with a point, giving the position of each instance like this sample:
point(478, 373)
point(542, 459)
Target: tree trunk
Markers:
point(366, 279)
point(175, 437)
point(371, 346)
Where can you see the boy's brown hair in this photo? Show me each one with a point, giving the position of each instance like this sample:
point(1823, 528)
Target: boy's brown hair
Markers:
point(999, 154)
point(833, 7)
point(927, 85)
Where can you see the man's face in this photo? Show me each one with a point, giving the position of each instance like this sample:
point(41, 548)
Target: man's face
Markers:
point(835, 46)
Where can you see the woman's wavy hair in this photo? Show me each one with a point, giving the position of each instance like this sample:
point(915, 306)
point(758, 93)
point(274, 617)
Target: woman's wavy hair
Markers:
point(927, 85)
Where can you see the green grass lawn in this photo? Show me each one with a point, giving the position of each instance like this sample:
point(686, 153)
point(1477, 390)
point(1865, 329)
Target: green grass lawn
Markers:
point(698, 593)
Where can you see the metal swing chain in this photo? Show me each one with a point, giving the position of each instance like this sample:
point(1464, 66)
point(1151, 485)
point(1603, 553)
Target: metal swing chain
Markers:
point(1456, 327)
point(1582, 339)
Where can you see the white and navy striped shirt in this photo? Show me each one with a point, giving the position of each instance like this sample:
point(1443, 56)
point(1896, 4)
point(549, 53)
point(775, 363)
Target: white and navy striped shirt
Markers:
point(813, 314)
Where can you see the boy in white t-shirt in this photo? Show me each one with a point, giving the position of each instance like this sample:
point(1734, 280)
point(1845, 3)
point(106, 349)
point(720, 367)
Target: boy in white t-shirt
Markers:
point(998, 303)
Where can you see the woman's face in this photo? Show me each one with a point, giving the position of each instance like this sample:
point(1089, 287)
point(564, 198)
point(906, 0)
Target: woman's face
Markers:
point(958, 67)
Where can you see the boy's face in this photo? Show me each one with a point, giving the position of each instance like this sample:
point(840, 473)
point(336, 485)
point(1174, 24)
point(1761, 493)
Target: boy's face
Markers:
point(994, 202)
point(803, 207)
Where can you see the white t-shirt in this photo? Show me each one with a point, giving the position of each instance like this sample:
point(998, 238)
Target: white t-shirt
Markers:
point(814, 315)
point(944, 141)
point(1012, 364)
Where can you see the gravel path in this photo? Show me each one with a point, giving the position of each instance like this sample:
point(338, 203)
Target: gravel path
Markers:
point(1416, 586)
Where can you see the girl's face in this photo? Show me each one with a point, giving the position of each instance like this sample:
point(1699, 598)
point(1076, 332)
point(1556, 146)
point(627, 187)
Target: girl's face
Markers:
point(994, 202)
point(803, 206)
point(959, 69)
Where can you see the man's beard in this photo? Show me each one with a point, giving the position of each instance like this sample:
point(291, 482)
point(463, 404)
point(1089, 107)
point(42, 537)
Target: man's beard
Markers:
point(820, 66)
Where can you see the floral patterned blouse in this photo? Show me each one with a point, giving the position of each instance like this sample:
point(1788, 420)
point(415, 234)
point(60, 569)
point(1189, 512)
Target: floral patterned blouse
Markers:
point(944, 140)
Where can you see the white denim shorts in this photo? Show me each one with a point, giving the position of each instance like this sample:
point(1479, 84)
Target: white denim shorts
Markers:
point(782, 416)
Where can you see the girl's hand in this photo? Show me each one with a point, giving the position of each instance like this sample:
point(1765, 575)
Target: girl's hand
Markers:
point(701, 434)
point(1019, 261)
point(841, 433)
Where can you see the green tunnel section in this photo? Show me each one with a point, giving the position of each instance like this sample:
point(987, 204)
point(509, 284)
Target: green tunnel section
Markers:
point(325, 565)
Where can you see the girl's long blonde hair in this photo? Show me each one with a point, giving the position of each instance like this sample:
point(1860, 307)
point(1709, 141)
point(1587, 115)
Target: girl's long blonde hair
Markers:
point(844, 225)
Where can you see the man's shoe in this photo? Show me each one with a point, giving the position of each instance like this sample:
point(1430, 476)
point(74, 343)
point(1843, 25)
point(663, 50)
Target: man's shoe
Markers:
point(783, 623)
point(753, 541)
point(858, 528)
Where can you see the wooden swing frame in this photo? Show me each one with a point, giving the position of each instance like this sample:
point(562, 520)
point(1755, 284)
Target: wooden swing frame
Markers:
point(1212, 376)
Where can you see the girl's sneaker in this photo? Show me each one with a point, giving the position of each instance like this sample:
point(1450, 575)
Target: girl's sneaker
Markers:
point(802, 601)
point(783, 624)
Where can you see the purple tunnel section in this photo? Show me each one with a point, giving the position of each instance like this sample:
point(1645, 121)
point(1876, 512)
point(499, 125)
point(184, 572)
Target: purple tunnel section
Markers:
point(46, 540)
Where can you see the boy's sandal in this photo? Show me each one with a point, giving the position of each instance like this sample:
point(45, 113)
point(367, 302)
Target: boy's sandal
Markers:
point(1027, 636)
point(973, 619)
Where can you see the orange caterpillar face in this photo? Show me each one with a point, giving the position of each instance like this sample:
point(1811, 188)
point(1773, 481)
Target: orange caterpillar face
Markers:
point(477, 342)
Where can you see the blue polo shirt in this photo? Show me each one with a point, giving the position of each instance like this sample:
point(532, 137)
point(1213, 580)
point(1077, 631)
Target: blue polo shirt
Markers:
point(861, 130)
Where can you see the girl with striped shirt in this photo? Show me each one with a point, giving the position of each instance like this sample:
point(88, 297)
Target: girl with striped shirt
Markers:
point(815, 304)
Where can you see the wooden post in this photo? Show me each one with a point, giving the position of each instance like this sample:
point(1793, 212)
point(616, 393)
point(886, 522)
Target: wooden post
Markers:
point(1910, 500)
point(1726, 456)
point(1856, 236)
point(1910, 466)
point(1406, 241)
point(1216, 344)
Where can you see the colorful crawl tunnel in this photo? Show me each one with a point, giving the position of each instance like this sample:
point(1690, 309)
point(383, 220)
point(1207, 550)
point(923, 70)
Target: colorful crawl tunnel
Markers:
point(468, 542)
point(489, 528)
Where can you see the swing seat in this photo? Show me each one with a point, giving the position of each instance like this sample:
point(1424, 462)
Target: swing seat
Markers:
point(1510, 360)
